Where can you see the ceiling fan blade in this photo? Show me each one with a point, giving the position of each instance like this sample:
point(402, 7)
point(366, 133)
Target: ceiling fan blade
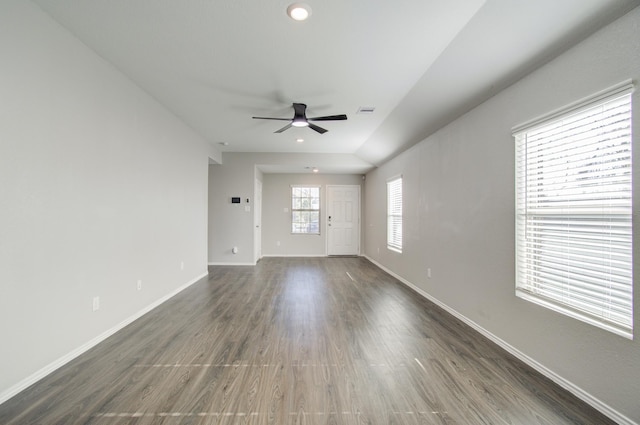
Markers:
point(329, 118)
point(318, 129)
point(270, 118)
point(300, 119)
point(286, 127)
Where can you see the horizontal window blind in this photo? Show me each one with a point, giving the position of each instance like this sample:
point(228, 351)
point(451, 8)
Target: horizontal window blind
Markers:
point(574, 211)
point(394, 214)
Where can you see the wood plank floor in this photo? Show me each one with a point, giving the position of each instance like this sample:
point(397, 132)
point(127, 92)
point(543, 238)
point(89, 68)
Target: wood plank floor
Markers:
point(297, 341)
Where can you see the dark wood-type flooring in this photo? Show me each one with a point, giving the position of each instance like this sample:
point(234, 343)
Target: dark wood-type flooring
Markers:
point(297, 341)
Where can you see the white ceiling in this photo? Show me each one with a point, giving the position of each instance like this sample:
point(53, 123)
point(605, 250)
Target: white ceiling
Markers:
point(420, 63)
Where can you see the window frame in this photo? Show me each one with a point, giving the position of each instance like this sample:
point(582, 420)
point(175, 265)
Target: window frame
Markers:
point(395, 214)
point(304, 210)
point(535, 208)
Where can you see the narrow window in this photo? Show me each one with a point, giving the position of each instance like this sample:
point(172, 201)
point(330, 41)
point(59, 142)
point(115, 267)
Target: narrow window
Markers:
point(305, 210)
point(394, 214)
point(573, 211)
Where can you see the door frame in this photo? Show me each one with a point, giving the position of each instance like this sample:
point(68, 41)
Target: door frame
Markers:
point(257, 220)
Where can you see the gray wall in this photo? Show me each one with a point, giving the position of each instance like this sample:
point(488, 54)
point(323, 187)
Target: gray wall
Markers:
point(100, 187)
point(230, 225)
point(459, 221)
point(276, 223)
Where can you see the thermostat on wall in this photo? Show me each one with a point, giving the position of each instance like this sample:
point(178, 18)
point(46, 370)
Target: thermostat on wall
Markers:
point(235, 200)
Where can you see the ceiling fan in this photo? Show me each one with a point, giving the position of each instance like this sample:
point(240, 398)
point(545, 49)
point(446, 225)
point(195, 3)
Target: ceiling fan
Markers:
point(300, 119)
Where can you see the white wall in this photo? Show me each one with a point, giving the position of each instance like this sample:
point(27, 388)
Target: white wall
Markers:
point(100, 186)
point(276, 223)
point(459, 221)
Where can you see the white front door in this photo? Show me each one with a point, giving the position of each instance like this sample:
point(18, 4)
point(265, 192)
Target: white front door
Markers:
point(343, 220)
point(257, 221)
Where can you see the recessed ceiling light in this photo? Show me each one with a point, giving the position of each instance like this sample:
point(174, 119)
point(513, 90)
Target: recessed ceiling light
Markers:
point(299, 140)
point(299, 11)
point(315, 170)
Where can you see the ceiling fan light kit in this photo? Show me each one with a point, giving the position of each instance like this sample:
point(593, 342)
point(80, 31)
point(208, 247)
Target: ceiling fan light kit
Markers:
point(299, 11)
point(300, 119)
point(299, 122)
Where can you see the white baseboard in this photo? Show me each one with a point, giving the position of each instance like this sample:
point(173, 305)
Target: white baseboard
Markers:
point(294, 255)
point(567, 385)
point(230, 264)
point(40, 374)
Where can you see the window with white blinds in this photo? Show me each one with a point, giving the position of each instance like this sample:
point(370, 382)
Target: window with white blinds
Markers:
point(574, 209)
point(305, 210)
point(394, 214)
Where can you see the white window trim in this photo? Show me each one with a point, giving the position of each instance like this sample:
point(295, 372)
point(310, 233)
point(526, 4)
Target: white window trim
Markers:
point(320, 195)
point(396, 247)
point(624, 88)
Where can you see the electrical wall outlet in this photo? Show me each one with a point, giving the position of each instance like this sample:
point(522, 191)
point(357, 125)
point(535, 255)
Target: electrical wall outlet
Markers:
point(139, 285)
point(96, 303)
point(181, 265)
point(429, 272)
